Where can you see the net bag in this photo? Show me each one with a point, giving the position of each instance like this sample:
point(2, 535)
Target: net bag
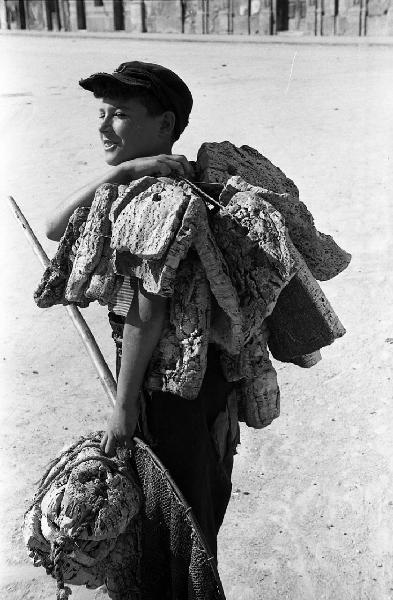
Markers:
point(121, 522)
point(84, 525)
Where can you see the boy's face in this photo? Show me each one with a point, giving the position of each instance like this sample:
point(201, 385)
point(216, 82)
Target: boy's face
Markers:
point(127, 130)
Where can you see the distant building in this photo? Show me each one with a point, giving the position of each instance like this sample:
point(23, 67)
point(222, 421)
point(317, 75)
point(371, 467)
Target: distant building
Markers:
point(261, 17)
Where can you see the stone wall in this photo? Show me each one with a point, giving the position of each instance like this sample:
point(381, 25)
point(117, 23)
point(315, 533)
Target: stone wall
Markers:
point(99, 15)
point(14, 16)
point(194, 20)
point(163, 16)
point(134, 16)
point(223, 17)
point(35, 14)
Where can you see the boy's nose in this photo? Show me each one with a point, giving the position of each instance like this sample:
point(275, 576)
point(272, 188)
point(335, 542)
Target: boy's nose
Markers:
point(104, 125)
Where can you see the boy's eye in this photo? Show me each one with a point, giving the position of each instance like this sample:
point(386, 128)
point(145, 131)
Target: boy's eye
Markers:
point(120, 114)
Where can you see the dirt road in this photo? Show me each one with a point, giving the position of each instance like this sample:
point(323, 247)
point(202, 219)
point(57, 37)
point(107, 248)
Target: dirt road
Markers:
point(311, 516)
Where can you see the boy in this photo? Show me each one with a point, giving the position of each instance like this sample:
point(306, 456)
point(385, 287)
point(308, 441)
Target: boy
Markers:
point(144, 108)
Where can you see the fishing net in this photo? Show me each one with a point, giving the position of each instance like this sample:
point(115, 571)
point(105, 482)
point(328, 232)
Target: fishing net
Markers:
point(176, 561)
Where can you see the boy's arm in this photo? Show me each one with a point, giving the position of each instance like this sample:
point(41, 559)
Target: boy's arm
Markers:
point(141, 334)
point(161, 165)
point(56, 223)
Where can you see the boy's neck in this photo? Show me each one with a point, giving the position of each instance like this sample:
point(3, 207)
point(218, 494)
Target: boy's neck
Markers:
point(164, 148)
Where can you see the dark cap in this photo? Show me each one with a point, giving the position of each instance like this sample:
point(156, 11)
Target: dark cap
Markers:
point(169, 89)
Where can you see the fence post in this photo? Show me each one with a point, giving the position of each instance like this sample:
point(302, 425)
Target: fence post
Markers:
point(230, 16)
point(272, 28)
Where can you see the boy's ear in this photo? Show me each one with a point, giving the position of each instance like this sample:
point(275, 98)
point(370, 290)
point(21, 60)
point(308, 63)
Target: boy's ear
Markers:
point(168, 121)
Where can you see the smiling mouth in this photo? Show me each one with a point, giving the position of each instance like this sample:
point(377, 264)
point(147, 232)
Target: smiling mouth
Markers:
point(108, 145)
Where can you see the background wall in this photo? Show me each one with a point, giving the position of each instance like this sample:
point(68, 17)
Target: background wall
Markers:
point(256, 17)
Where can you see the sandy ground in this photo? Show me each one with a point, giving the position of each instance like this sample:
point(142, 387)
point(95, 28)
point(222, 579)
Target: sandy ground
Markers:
point(311, 516)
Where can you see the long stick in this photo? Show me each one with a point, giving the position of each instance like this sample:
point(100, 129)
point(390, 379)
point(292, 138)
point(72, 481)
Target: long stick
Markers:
point(80, 324)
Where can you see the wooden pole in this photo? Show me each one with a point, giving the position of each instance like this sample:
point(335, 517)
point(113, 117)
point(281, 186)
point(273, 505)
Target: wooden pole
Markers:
point(35, 244)
point(80, 324)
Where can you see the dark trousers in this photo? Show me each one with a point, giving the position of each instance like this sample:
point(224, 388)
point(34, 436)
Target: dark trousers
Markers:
point(180, 434)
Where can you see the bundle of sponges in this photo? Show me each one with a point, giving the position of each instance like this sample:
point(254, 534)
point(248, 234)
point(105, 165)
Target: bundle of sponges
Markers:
point(299, 320)
point(84, 523)
point(242, 278)
point(158, 232)
point(81, 270)
point(51, 288)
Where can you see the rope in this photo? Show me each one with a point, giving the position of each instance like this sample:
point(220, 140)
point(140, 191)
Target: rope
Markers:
point(57, 550)
point(202, 194)
point(74, 449)
point(61, 472)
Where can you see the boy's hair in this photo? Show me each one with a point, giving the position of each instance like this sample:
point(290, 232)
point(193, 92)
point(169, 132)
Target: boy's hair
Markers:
point(104, 89)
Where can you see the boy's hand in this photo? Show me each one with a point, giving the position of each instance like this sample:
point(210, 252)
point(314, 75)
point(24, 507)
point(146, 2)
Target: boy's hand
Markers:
point(162, 165)
point(120, 429)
